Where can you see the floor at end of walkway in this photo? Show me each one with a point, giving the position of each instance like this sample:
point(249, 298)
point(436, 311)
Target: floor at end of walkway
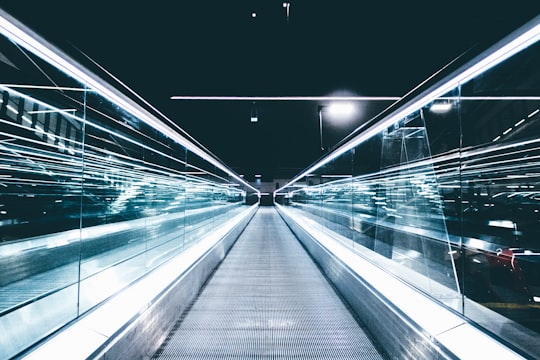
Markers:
point(268, 300)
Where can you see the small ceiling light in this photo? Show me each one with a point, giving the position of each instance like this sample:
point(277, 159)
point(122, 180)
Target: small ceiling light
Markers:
point(441, 107)
point(287, 6)
point(254, 117)
point(341, 109)
point(254, 14)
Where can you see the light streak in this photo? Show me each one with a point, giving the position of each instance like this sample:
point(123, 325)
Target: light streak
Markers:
point(286, 98)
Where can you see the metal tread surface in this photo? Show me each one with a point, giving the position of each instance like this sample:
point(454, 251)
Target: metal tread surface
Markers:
point(268, 300)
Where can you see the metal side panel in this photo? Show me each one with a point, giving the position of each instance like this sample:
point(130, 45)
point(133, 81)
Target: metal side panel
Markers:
point(141, 337)
point(397, 334)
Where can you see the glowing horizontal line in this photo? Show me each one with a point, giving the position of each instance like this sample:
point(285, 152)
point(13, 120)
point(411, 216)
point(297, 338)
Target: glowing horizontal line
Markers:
point(491, 97)
point(288, 98)
point(336, 176)
point(51, 111)
point(341, 98)
point(22, 86)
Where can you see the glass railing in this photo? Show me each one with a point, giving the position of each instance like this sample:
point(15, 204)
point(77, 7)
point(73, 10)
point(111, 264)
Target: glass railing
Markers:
point(443, 190)
point(95, 191)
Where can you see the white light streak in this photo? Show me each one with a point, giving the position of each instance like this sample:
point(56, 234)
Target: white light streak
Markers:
point(43, 87)
point(287, 98)
point(508, 224)
point(519, 122)
point(489, 98)
point(51, 111)
point(533, 113)
point(507, 131)
point(512, 47)
point(12, 109)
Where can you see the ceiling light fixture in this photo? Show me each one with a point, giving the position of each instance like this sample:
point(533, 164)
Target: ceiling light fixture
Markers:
point(287, 6)
point(441, 107)
point(341, 109)
point(254, 117)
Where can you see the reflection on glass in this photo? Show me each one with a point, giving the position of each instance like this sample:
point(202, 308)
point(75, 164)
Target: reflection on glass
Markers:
point(92, 197)
point(40, 192)
point(446, 196)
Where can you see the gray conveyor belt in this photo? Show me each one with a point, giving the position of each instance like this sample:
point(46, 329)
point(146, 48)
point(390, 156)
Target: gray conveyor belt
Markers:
point(268, 300)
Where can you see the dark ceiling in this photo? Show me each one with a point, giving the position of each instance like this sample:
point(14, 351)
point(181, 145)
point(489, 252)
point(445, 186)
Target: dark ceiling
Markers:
point(217, 48)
